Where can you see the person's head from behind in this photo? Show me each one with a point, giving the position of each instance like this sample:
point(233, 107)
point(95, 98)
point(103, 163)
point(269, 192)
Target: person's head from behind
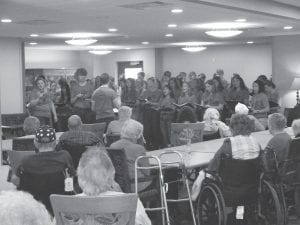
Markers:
point(186, 115)
point(130, 83)
point(211, 114)
point(132, 130)
point(104, 79)
point(95, 172)
point(80, 75)
point(31, 124)
point(276, 123)
point(209, 86)
point(45, 139)
point(125, 113)
point(202, 76)
point(296, 127)
point(262, 78)
point(241, 109)
point(74, 122)
point(166, 76)
point(258, 87)
point(20, 208)
point(241, 124)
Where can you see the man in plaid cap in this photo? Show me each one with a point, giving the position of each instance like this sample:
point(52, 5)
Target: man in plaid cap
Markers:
point(45, 162)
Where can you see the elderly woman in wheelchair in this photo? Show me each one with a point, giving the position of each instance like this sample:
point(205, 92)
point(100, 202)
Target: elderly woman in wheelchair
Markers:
point(234, 180)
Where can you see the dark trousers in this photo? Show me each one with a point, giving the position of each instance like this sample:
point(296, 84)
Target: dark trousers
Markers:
point(152, 134)
point(86, 115)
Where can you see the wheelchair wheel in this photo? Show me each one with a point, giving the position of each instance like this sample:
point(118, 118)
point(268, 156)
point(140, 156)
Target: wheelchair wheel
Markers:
point(211, 206)
point(271, 209)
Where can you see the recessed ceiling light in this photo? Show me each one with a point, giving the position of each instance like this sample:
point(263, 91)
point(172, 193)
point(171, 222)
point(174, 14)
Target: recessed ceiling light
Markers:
point(6, 20)
point(176, 11)
point(100, 52)
point(224, 33)
point(33, 43)
point(250, 42)
point(81, 42)
point(34, 35)
point(240, 20)
point(172, 25)
point(169, 35)
point(127, 48)
point(288, 27)
point(112, 29)
point(145, 42)
point(193, 48)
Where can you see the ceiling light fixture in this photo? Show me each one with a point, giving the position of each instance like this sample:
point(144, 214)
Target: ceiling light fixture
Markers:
point(145, 43)
point(176, 11)
point(288, 27)
point(100, 52)
point(34, 35)
point(172, 25)
point(193, 48)
point(127, 48)
point(169, 35)
point(33, 43)
point(112, 29)
point(81, 42)
point(6, 20)
point(223, 33)
point(240, 20)
point(250, 42)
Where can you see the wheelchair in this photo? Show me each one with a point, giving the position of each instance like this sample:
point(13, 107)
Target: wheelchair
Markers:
point(239, 183)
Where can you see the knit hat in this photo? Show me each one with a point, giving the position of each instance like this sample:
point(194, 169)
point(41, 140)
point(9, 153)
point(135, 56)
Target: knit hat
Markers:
point(45, 134)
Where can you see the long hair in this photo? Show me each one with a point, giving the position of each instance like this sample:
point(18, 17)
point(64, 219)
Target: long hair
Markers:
point(65, 96)
point(242, 83)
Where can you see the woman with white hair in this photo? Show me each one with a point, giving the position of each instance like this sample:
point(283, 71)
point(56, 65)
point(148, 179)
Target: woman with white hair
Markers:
point(296, 128)
point(130, 133)
point(96, 178)
point(212, 123)
point(20, 208)
point(115, 126)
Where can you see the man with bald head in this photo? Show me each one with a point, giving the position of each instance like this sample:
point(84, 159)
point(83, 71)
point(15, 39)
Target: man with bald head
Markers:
point(76, 136)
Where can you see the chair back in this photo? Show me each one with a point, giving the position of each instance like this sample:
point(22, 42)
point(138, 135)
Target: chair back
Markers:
point(119, 160)
point(292, 162)
point(97, 128)
point(74, 150)
point(23, 144)
point(111, 138)
point(181, 131)
point(113, 209)
point(13, 119)
point(239, 180)
point(42, 185)
point(15, 158)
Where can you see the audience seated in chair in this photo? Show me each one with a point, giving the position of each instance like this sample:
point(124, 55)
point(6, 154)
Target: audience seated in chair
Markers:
point(96, 178)
point(114, 127)
point(130, 133)
point(43, 173)
point(279, 144)
point(20, 208)
point(76, 136)
point(241, 146)
point(212, 123)
point(31, 124)
point(243, 109)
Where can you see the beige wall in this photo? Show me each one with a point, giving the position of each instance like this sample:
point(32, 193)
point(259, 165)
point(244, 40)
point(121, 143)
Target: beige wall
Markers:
point(286, 66)
point(11, 82)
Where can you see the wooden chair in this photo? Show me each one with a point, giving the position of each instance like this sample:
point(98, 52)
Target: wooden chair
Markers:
point(117, 210)
point(23, 144)
point(119, 160)
point(96, 128)
point(179, 133)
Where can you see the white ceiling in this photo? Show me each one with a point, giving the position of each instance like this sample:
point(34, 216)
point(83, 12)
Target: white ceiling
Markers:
point(144, 20)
